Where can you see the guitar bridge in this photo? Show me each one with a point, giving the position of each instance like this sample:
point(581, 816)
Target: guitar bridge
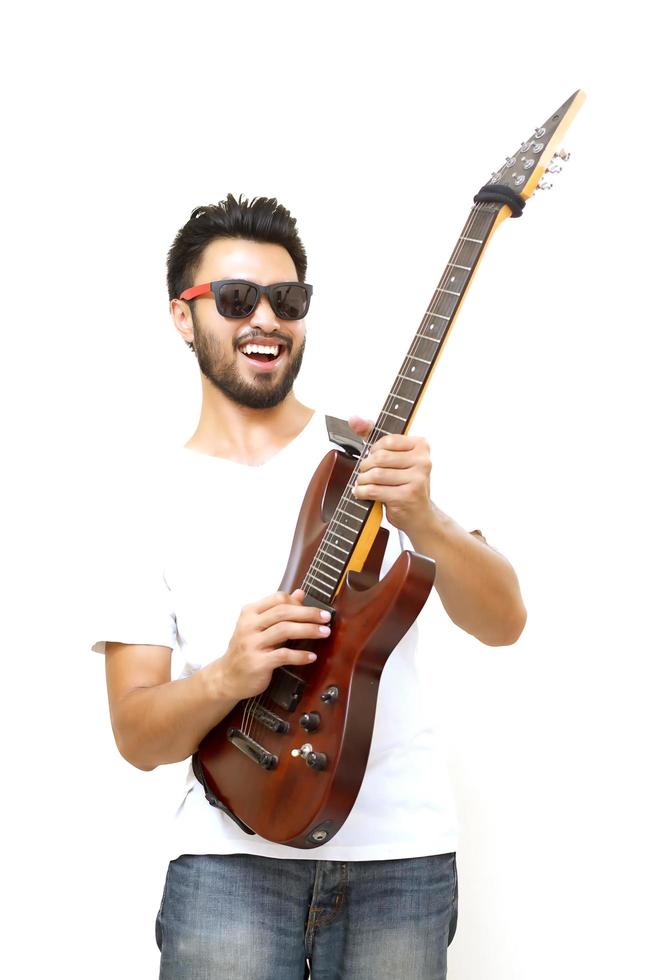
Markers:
point(252, 749)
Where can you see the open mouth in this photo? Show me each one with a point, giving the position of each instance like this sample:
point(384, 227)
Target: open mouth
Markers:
point(267, 353)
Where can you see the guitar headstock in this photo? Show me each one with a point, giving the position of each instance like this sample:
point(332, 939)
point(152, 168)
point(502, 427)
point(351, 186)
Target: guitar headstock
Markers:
point(540, 153)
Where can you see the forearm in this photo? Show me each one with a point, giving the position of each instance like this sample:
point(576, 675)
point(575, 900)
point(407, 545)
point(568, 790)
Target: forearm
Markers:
point(165, 723)
point(478, 587)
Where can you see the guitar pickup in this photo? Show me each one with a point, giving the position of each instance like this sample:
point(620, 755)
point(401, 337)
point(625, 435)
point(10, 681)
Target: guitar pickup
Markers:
point(286, 689)
point(270, 720)
point(252, 749)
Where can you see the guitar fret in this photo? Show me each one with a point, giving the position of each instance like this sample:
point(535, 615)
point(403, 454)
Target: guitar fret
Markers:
point(479, 241)
point(355, 502)
point(414, 358)
point(314, 586)
point(468, 268)
point(340, 523)
point(415, 380)
point(439, 289)
point(394, 416)
point(409, 400)
point(333, 567)
point(434, 340)
point(439, 315)
point(331, 544)
point(352, 517)
point(326, 575)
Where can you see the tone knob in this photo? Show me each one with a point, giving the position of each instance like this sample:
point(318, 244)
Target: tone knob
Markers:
point(316, 760)
point(310, 721)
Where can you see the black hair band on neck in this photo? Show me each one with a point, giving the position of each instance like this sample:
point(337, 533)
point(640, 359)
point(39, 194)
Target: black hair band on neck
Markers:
point(500, 194)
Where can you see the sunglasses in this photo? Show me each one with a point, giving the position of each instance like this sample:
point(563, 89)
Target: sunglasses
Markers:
point(238, 298)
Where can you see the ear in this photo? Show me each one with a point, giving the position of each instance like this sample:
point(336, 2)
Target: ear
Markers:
point(180, 312)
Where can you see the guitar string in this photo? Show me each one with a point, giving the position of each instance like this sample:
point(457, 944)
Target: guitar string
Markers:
point(393, 394)
point(325, 543)
point(476, 210)
point(253, 703)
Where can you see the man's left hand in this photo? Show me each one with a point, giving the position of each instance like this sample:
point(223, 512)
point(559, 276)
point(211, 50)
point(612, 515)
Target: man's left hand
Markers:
point(396, 473)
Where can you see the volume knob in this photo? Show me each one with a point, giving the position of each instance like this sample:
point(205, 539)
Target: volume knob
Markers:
point(316, 760)
point(310, 722)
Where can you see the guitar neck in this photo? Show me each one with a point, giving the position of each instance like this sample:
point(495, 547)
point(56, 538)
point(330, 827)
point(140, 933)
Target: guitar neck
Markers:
point(425, 348)
point(324, 576)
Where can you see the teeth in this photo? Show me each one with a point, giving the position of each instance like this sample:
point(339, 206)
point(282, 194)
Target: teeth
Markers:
point(260, 349)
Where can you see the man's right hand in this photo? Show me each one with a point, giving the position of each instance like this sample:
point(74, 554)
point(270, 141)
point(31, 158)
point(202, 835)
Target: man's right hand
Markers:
point(257, 646)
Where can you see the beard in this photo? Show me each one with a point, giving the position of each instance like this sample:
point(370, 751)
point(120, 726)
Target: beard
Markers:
point(264, 392)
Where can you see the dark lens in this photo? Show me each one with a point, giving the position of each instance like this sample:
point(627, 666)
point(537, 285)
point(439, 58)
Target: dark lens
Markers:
point(290, 300)
point(236, 299)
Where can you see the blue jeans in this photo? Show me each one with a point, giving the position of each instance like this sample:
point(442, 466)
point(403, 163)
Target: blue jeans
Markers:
point(244, 917)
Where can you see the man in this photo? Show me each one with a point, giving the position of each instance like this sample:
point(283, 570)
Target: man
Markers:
point(379, 899)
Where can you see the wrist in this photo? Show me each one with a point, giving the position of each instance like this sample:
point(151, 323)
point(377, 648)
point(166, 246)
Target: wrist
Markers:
point(430, 523)
point(216, 682)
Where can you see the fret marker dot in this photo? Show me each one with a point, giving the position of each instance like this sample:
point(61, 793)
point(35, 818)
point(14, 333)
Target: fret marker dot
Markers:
point(396, 407)
point(453, 278)
point(413, 369)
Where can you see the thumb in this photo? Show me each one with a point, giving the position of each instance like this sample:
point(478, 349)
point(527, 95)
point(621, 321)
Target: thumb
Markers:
point(362, 427)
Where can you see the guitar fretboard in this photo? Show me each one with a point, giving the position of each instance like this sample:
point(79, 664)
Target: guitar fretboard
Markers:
point(347, 522)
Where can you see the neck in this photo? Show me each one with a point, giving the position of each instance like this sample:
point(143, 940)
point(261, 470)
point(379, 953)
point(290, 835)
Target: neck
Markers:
point(246, 435)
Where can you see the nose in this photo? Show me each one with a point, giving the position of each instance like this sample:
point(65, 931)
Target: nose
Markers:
point(263, 317)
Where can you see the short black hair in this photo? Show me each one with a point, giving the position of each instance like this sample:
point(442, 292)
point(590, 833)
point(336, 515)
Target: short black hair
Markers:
point(262, 219)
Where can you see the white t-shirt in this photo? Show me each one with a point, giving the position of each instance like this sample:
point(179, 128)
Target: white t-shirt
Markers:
point(216, 536)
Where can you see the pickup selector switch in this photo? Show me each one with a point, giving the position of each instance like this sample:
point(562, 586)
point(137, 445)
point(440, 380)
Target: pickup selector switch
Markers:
point(330, 695)
point(310, 721)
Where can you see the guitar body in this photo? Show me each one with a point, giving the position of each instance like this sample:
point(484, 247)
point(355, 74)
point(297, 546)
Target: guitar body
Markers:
point(294, 802)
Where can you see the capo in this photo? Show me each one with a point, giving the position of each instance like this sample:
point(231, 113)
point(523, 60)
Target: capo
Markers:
point(342, 435)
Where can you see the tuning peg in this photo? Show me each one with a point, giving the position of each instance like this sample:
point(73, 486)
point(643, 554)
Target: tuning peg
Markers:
point(562, 154)
point(544, 185)
point(554, 168)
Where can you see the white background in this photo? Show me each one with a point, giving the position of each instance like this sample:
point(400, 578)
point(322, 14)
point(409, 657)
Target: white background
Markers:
point(375, 124)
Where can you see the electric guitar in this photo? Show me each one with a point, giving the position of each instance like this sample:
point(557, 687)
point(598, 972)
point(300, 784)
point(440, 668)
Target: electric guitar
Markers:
point(288, 764)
